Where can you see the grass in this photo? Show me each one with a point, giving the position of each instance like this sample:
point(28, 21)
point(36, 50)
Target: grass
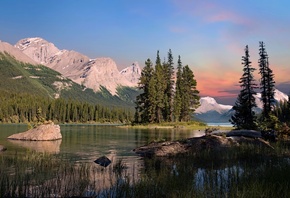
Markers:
point(193, 125)
point(245, 171)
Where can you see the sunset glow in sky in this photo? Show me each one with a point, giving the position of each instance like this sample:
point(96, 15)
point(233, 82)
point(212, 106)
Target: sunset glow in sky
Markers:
point(209, 35)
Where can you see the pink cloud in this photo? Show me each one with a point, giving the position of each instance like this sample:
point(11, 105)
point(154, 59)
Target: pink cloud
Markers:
point(212, 82)
point(209, 11)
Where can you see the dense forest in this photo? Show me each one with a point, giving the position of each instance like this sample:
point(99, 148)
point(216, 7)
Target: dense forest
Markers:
point(17, 108)
point(24, 88)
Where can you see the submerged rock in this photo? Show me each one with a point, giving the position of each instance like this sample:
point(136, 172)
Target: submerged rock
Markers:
point(2, 148)
point(103, 161)
point(41, 133)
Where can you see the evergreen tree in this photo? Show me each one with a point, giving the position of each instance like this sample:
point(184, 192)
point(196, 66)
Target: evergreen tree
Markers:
point(160, 87)
point(178, 91)
point(244, 117)
point(169, 71)
point(189, 96)
point(144, 101)
point(267, 84)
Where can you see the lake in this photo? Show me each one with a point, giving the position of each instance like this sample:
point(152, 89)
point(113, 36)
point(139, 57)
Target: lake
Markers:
point(85, 143)
point(245, 171)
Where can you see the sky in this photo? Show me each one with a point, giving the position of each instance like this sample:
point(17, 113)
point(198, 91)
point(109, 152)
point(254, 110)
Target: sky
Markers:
point(209, 35)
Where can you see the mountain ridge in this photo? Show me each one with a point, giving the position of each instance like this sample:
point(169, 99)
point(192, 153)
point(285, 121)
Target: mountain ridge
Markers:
point(92, 73)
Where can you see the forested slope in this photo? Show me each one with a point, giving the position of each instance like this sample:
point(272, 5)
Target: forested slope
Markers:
point(24, 88)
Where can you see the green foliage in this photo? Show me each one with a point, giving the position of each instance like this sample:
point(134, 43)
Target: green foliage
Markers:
point(128, 94)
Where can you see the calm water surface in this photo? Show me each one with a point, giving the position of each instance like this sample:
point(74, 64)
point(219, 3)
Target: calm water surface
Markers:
point(85, 143)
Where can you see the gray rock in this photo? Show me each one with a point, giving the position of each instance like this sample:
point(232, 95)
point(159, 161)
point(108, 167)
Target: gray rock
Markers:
point(40, 133)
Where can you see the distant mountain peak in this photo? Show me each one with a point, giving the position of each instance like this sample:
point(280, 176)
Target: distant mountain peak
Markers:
point(209, 104)
point(211, 111)
point(132, 73)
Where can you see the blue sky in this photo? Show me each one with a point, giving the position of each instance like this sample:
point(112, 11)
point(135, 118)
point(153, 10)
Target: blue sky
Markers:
point(209, 35)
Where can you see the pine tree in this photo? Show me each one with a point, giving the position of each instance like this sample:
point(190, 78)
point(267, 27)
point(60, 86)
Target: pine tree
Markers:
point(189, 96)
point(244, 117)
point(178, 91)
point(267, 84)
point(160, 87)
point(144, 102)
point(169, 71)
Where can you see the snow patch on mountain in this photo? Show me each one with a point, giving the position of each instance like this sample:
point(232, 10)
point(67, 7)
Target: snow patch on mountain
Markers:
point(278, 97)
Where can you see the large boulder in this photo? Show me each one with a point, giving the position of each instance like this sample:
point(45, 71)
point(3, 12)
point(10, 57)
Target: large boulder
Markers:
point(41, 133)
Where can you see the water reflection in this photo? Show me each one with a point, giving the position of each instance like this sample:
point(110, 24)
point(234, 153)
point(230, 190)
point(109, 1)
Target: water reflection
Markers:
point(52, 147)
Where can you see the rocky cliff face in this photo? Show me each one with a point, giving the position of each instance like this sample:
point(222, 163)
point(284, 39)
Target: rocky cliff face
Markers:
point(37, 49)
point(91, 73)
point(102, 72)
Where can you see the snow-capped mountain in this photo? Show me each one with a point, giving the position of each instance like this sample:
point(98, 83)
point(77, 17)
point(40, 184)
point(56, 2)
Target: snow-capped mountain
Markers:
point(278, 96)
point(209, 104)
point(211, 111)
point(91, 73)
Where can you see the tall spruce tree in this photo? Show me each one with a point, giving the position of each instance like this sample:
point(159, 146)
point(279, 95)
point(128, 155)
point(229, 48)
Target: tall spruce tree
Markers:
point(178, 91)
point(267, 84)
point(244, 117)
point(160, 87)
point(189, 96)
point(143, 101)
point(168, 98)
